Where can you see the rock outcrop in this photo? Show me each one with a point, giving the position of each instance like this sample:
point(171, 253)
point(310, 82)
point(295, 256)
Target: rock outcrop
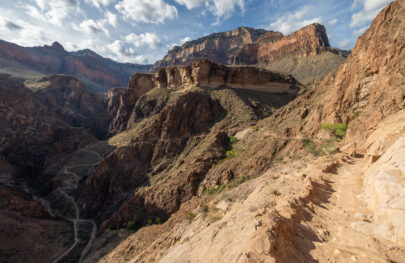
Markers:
point(202, 73)
point(83, 64)
point(250, 46)
point(383, 181)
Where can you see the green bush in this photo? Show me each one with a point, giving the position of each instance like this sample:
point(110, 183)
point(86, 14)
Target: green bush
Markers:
point(241, 179)
point(189, 215)
point(149, 222)
point(158, 221)
point(233, 139)
point(130, 225)
point(230, 154)
point(204, 208)
point(338, 130)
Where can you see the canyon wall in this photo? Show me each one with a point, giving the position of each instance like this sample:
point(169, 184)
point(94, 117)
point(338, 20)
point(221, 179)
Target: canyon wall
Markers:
point(249, 46)
point(84, 64)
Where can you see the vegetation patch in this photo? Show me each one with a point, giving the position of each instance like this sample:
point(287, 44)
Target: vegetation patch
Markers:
point(189, 215)
point(337, 130)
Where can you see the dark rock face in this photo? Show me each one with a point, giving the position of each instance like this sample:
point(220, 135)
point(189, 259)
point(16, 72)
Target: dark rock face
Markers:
point(249, 46)
point(82, 64)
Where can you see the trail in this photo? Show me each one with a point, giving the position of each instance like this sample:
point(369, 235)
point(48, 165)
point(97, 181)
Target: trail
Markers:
point(76, 220)
point(325, 232)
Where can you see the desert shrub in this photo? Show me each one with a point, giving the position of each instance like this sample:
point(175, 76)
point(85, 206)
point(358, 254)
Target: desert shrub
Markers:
point(338, 130)
point(149, 222)
point(189, 215)
point(241, 179)
point(311, 147)
point(233, 139)
point(204, 208)
point(158, 221)
point(130, 225)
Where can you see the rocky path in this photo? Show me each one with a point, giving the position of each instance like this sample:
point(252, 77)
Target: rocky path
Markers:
point(333, 214)
point(76, 220)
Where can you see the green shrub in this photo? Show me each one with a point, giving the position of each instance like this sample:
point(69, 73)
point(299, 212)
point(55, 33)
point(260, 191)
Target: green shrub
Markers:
point(130, 225)
point(241, 179)
point(311, 147)
point(158, 221)
point(338, 130)
point(149, 222)
point(204, 208)
point(230, 154)
point(233, 139)
point(189, 215)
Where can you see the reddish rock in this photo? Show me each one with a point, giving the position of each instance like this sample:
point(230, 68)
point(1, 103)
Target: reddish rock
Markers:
point(83, 64)
point(250, 46)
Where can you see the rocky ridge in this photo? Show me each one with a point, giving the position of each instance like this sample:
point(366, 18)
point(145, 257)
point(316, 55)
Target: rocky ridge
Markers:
point(98, 73)
point(250, 46)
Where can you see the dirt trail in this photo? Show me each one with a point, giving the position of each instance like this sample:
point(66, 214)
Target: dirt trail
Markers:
point(76, 220)
point(327, 234)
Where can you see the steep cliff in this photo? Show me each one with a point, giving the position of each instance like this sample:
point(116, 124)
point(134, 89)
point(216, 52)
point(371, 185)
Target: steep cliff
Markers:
point(98, 72)
point(202, 73)
point(250, 46)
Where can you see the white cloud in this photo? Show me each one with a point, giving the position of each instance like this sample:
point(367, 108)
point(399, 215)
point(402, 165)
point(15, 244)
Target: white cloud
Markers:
point(370, 9)
point(184, 40)
point(225, 8)
point(190, 4)
point(360, 31)
point(112, 19)
point(93, 27)
point(54, 11)
point(345, 43)
point(118, 48)
point(99, 3)
point(147, 11)
point(294, 21)
point(149, 39)
point(333, 21)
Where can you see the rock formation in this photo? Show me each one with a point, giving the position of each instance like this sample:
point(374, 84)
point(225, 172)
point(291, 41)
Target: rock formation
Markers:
point(84, 64)
point(324, 220)
point(250, 46)
point(214, 157)
point(202, 73)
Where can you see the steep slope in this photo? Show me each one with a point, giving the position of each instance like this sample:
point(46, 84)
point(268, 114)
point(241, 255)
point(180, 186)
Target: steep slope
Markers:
point(35, 133)
point(302, 207)
point(97, 72)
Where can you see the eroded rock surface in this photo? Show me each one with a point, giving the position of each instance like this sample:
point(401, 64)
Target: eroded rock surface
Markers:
point(250, 46)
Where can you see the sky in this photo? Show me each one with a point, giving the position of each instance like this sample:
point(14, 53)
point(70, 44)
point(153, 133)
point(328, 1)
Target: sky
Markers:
point(142, 31)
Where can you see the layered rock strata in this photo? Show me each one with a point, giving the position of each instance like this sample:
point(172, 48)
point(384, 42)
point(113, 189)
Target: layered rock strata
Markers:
point(250, 46)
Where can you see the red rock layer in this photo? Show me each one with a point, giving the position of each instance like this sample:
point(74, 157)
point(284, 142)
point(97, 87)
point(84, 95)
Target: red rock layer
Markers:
point(249, 46)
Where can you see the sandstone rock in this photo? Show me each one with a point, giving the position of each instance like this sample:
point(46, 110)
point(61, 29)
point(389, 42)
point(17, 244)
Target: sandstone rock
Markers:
point(249, 46)
point(124, 108)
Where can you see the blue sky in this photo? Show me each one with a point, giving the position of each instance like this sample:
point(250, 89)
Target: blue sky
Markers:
point(141, 31)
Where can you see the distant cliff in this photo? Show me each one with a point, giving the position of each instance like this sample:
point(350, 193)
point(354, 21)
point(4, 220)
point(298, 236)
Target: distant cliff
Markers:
point(250, 46)
point(83, 64)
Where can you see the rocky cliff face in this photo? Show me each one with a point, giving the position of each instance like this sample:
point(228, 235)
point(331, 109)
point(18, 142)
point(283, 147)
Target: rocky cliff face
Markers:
point(84, 64)
point(365, 90)
point(202, 73)
point(249, 46)
point(309, 40)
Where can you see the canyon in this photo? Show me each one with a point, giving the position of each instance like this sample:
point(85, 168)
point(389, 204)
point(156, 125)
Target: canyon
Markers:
point(248, 46)
point(237, 147)
point(98, 73)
